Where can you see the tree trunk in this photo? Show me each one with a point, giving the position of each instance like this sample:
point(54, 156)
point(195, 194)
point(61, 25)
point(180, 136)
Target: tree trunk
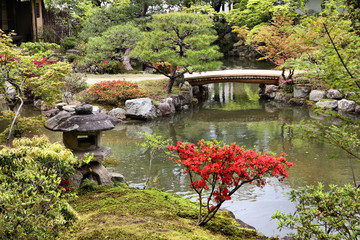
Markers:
point(170, 84)
point(126, 60)
point(144, 10)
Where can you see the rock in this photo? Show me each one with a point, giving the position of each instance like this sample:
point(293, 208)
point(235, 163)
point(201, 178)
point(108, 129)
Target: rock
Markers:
point(93, 171)
point(346, 105)
point(11, 94)
point(170, 101)
point(316, 95)
point(301, 92)
point(270, 91)
point(71, 122)
point(61, 105)
point(38, 103)
point(141, 108)
point(195, 90)
point(52, 112)
point(69, 108)
point(83, 109)
point(185, 86)
point(178, 101)
point(45, 107)
point(148, 70)
point(119, 113)
point(67, 97)
point(99, 154)
point(297, 101)
point(357, 109)
point(165, 109)
point(242, 224)
point(117, 177)
point(74, 51)
point(334, 94)
point(281, 97)
point(186, 107)
point(95, 109)
point(329, 104)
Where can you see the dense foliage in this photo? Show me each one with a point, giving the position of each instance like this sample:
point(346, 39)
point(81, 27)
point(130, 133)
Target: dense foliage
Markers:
point(115, 92)
point(183, 40)
point(32, 201)
point(217, 171)
point(324, 214)
point(114, 44)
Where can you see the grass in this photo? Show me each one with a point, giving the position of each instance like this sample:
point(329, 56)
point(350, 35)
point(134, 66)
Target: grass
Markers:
point(130, 213)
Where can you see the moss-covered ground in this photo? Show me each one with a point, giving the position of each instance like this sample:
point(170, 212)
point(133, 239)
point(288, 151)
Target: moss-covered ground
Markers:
point(130, 213)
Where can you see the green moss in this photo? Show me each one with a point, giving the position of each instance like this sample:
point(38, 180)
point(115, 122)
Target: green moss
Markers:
point(110, 162)
point(325, 100)
point(131, 213)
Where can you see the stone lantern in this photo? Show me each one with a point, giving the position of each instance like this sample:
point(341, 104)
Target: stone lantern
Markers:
point(82, 134)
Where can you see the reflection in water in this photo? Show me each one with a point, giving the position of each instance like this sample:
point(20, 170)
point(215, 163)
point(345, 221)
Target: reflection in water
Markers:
point(233, 115)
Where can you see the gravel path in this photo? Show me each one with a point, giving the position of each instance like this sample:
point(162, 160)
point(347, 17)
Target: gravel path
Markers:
point(93, 78)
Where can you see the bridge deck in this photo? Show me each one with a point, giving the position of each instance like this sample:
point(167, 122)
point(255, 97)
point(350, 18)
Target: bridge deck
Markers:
point(240, 75)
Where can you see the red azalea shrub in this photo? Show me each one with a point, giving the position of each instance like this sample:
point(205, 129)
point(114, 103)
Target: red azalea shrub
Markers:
point(113, 67)
point(113, 92)
point(220, 170)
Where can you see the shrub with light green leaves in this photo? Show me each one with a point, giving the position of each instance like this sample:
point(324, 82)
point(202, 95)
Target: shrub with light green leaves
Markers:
point(323, 214)
point(32, 190)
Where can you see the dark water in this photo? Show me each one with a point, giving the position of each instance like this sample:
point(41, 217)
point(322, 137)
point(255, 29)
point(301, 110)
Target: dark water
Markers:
point(233, 113)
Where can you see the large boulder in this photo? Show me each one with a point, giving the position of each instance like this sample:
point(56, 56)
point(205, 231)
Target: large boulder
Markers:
point(346, 105)
point(178, 101)
point(316, 95)
point(329, 104)
point(270, 91)
point(281, 97)
point(334, 94)
point(141, 108)
point(301, 92)
point(166, 107)
point(297, 101)
point(119, 113)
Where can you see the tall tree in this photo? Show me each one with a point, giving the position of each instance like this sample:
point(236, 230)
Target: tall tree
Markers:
point(179, 43)
point(114, 44)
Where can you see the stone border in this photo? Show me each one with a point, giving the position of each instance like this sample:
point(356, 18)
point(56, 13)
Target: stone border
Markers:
point(330, 99)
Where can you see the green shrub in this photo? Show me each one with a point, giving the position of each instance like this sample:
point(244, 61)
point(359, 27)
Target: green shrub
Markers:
point(69, 43)
point(114, 67)
point(24, 125)
point(75, 83)
point(323, 214)
point(43, 49)
point(113, 92)
point(33, 189)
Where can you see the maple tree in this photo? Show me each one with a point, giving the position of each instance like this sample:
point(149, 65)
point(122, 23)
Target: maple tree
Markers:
point(220, 170)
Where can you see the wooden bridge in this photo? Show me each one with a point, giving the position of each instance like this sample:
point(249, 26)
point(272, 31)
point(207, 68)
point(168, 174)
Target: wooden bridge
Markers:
point(243, 76)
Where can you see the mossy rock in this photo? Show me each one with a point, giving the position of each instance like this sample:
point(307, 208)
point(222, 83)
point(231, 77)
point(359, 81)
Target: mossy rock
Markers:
point(131, 213)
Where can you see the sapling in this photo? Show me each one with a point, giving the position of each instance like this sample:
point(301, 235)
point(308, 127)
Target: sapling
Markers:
point(153, 143)
point(218, 171)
